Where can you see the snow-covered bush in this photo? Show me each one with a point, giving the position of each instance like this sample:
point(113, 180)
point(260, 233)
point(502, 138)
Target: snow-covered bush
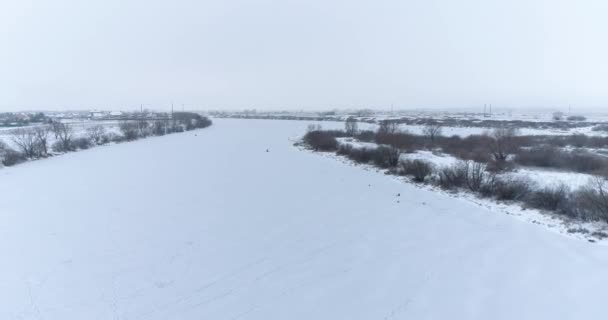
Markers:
point(323, 140)
point(366, 136)
point(418, 169)
point(81, 143)
point(549, 198)
point(386, 157)
point(452, 177)
point(129, 130)
point(576, 118)
point(9, 156)
point(592, 201)
point(96, 133)
point(576, 160)
point(510, 188)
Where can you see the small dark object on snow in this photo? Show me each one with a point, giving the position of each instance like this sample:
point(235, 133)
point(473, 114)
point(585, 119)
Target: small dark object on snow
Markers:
point(398, 194)
point(267, 150)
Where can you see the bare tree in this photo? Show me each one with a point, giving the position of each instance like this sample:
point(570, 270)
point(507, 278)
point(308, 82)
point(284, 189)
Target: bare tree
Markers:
point(130, 130)
point(388, 127)
point(55, 128)
point(351, 127)
point(143, 127)
point(313, 127)
point(432, 130)
point(25, 139)
point(159, 127)
point(502, 143)
point(63, 133)
point(387, 132)
point(96, 133)
point(42, 139)
point(594, 198)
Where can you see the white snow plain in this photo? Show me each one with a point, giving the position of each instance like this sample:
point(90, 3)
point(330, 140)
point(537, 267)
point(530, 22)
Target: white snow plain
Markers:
point(208, 225)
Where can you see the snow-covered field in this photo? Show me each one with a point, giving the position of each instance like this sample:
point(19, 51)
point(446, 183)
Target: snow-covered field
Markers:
point(208, 225)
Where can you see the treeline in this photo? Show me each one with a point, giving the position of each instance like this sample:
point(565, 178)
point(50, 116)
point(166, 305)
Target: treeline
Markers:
point(482, 158)
point(58, 137)
point(11, 119)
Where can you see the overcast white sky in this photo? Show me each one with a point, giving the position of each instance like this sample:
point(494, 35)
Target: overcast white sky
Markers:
point(304, 54)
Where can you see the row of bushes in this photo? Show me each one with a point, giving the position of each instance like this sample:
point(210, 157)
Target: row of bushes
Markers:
point(590, 203)
point(551, 157)
point(499, 149)
point(34, 143)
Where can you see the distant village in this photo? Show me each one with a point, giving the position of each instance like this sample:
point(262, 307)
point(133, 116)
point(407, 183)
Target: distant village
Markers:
point(18, 119)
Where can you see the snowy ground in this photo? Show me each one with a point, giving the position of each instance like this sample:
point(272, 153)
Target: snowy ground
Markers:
point(185, 227)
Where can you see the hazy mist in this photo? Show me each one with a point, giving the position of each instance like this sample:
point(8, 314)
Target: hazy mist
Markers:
point(309, 54)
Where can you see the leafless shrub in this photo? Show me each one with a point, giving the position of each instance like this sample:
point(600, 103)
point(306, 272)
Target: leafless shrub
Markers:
point(366, 136)
point(25, 139)
point(81, 143)
point(96, 134)
point(9, 156)
point(313, 127)
point(432, 131)
point(600, 234)
point(576, 118)
point(600, 127)
point(321, 140)
point(549, 198)
point(544, 156)
point(143, 127)
point(159, 127)
point(593, 199)
point(558, 115)
point(475, 175)
point(386, 157)
point(129, 130)
point(361, 155)
point(344, 149)
point(351, 127)
point(42, 140)
point(473, 147)
point(387, 131)
point(511, 188)
point(452, 177)
point(577, 160)
point(113, 137)
point(503, 143)
point(418, 169)
point(63, 133)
